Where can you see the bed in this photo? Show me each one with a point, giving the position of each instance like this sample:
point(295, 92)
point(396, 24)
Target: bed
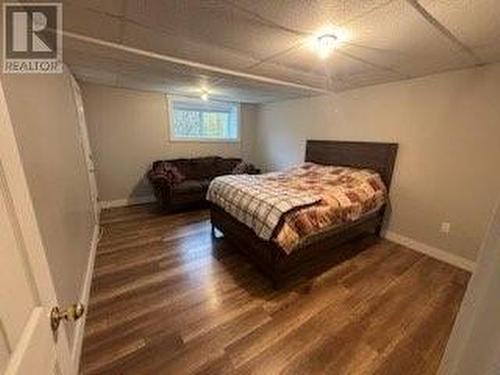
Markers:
point(276, 260)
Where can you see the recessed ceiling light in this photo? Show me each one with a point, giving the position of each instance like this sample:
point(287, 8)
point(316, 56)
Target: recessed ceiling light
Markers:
point(204, 96)
point(325, 44)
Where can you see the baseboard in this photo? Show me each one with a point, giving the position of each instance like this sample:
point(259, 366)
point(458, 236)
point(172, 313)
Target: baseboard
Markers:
point(127, 201)
point(433, 252)
point(76, 350)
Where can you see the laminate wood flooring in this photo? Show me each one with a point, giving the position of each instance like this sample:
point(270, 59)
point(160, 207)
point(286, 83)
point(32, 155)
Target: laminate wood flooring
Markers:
point(166, 298)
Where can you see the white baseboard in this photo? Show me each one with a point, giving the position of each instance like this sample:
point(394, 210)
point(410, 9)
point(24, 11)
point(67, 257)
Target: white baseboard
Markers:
point(76, 350)
point(433, 252)
point(127, 201)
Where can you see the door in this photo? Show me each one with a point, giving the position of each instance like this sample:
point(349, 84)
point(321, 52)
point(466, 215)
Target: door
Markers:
point(84, 140)
point(474, 345)
point(28, 344)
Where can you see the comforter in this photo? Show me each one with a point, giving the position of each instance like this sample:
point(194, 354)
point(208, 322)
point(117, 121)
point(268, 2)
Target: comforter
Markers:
point(323, 198)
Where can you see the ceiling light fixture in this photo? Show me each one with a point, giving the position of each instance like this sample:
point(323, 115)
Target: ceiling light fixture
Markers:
point(204, 96)
point(325, 44)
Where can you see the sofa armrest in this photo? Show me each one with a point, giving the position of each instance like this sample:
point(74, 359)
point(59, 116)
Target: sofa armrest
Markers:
point(162, 190)
point(161, 180)
point(163, 177)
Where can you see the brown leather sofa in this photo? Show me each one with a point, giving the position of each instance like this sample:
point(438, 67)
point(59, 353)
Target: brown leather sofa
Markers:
point(183, 183)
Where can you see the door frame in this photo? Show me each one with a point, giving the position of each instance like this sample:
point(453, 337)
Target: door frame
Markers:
point(85, 143)
point(28, 225)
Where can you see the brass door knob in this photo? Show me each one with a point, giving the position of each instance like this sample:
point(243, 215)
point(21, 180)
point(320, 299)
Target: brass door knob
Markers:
point(74, 312)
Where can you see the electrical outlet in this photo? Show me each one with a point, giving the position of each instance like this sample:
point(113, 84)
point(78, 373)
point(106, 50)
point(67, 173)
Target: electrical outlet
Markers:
point(445, 227)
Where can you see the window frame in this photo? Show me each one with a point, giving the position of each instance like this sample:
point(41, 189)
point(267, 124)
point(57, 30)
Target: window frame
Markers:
point(172, 137)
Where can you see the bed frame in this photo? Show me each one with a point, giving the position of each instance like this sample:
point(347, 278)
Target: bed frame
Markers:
point(273, 260)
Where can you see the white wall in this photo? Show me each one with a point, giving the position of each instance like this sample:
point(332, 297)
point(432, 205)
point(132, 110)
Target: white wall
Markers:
point(129, 129)
point(44, 118)
point(448, 129)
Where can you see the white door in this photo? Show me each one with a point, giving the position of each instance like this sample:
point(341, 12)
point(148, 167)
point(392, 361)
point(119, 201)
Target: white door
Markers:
point(84, 140)
point(28, 345)
point(474, 345)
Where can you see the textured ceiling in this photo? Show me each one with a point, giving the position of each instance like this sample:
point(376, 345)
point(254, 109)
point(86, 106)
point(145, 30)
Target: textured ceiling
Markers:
point(260, 50)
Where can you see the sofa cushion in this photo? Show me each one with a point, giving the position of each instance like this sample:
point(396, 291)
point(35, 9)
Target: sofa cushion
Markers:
point(205, 183)
point(203, 168)
point(189, 187)
point(197, 168)
point(183, 166)
point(225, 166)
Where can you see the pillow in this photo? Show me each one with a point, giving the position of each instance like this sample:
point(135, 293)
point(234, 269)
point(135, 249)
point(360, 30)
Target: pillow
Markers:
point(167, 172)
point(243, 168)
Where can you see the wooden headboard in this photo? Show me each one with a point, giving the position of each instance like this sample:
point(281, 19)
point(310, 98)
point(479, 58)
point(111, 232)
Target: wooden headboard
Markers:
point(377, 156)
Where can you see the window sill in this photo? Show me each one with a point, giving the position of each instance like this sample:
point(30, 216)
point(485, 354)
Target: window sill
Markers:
point(204, 140)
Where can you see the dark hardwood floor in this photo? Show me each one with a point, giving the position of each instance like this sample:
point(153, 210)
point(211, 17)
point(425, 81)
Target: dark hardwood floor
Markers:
point(167, 299)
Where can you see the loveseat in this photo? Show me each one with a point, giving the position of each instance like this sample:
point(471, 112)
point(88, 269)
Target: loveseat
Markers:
point(183, 183)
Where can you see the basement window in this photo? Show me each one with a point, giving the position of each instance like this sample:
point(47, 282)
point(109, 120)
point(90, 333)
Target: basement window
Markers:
point(193, 119)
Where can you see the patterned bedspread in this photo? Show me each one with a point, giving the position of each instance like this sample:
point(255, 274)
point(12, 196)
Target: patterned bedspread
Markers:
point(326, 197)
point(347, 194)
point(257, 201)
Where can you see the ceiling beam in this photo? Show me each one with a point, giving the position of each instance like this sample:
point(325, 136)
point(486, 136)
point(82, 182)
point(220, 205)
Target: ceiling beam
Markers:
point(192, 64)
point(444, 31)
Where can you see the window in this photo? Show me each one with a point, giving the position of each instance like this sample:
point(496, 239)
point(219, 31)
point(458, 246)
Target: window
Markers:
point(198, 120)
